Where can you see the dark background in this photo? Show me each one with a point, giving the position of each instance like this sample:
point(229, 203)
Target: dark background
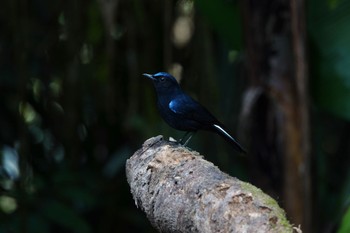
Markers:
point(74, 105)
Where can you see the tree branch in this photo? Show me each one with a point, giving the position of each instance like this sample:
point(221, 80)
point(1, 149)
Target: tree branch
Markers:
point(181, 192)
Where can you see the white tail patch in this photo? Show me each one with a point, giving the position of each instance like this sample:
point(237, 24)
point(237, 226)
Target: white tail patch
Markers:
point(224, 131)
point(226, 135)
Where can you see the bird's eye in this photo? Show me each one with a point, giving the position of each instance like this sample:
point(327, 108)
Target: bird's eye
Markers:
point(162, 79)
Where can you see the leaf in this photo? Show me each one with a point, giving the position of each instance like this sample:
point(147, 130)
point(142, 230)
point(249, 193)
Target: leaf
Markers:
point(345, 224)
point(65, 216)
point(37, 224)
point(224, 16)
point(79, 195)
point(330, 73)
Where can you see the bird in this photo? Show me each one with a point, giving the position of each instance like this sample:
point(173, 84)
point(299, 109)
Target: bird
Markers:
point(183, 113)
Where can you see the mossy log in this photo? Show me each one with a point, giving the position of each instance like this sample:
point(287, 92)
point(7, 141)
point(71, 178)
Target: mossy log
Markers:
point(181, 192)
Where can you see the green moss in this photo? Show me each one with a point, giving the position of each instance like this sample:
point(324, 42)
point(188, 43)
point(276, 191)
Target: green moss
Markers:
point(269, 202)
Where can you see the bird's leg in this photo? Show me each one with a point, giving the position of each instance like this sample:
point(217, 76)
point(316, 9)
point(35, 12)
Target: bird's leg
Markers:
point(188, 139)
point(183, 137)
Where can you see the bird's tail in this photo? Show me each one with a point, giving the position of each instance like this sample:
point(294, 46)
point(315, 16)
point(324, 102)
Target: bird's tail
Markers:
point(220, 130)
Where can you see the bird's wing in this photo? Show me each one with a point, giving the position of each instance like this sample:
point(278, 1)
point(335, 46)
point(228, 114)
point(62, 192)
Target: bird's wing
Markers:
point(186, 107)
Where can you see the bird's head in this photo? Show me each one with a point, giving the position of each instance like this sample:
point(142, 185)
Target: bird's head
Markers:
point(163, 81)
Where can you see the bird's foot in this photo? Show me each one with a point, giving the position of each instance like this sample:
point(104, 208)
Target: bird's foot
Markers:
point(183, 141)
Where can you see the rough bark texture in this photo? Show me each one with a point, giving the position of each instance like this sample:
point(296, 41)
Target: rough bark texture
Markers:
point(181, 192)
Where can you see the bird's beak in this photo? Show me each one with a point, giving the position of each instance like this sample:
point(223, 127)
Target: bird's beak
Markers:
point(149, 76)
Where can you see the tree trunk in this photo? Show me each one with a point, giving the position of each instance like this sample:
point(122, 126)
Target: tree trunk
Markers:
point(277, 100)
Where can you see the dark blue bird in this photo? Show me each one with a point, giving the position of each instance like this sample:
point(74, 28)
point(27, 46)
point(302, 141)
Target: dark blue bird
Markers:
point(182, 112)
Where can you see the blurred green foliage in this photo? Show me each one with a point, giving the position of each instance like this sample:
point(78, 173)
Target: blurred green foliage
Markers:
point(74, 106)
point(330, 35)
point(345, 223)
point(225, 17)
